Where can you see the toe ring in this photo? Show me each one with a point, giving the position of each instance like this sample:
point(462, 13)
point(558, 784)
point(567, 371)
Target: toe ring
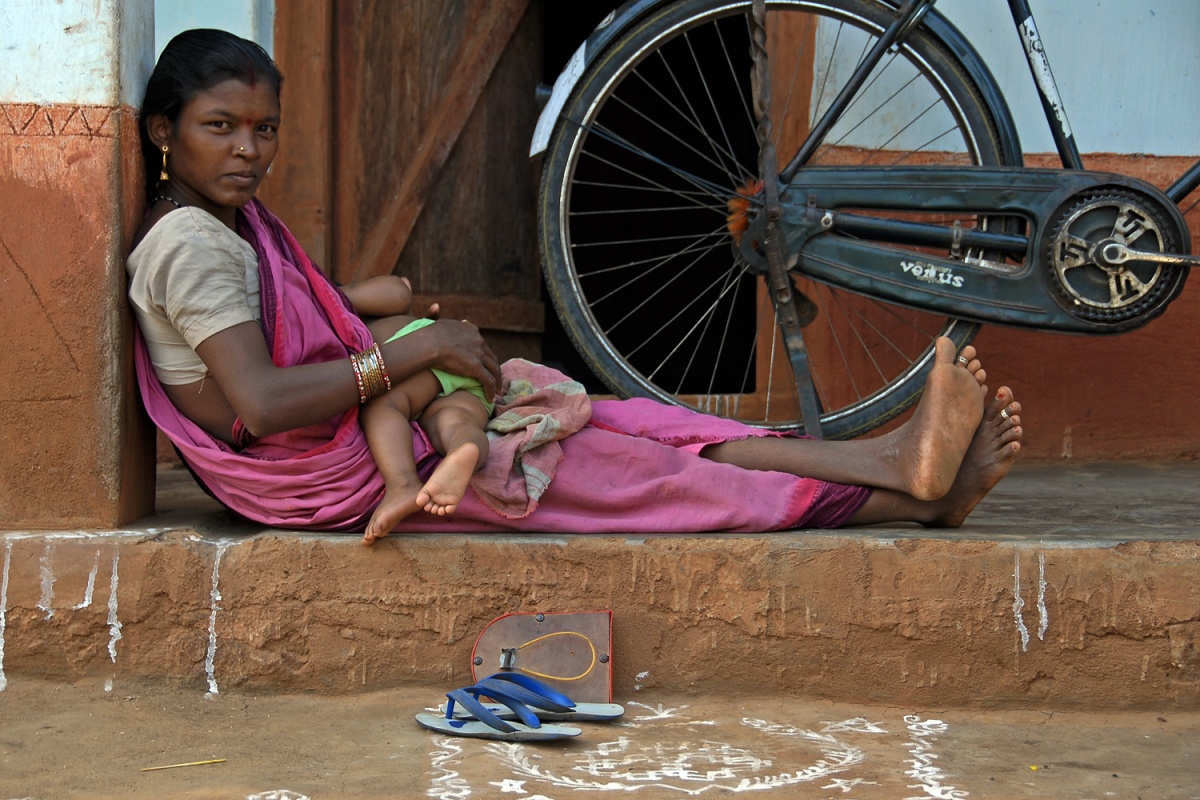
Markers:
point(962, 361)
point(1004, 413)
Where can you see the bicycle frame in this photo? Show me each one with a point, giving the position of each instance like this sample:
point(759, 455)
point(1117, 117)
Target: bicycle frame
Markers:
point(1063, 249)
point(954, 286)
point(911, 14)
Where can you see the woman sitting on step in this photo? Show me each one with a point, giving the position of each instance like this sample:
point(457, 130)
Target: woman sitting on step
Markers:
point(263, 375)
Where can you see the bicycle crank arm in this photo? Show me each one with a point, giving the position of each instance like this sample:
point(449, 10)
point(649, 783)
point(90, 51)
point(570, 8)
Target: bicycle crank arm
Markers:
point(1114, 255)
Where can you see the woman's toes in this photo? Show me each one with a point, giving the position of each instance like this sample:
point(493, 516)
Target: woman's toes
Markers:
point(943, 350)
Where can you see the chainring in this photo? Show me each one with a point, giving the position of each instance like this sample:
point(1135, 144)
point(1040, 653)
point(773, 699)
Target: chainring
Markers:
point(1114, 295)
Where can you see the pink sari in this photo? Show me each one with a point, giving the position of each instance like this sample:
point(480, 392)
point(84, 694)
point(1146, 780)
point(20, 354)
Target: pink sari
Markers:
point(633, 468)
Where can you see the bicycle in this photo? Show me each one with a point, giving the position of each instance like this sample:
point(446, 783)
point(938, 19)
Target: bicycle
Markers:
point(687, 268)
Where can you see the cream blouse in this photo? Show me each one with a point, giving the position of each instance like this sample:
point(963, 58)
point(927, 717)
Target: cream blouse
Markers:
point(191, 277)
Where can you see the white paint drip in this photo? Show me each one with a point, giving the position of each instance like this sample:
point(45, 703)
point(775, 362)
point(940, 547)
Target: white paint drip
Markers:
point(4, 608)
point(46, 601)
point(91, 584)
point(1018, 603)
point(108, 685)
point(447, 784)
point(114, 625)
point(931, 780)
point(215, 595)
point(641, 676)
point(1043, 615)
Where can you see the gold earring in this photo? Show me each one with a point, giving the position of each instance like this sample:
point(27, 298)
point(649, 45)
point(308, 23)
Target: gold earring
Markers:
point(162, 176)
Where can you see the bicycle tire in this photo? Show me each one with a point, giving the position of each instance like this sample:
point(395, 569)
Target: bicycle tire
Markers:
point(601, 250)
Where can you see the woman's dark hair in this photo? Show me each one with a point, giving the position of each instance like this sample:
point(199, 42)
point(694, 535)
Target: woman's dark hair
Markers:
point(192, 62)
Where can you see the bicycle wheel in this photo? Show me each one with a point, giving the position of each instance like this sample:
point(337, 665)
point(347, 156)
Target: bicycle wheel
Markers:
point(657, 139)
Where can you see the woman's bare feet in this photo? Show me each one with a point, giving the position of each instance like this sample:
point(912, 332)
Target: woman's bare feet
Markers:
point(929, 449)
point(989, 457)
point(398, 502)
point(445, 488)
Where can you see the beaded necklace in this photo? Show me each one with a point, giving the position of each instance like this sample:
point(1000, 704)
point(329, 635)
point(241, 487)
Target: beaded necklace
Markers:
point(170, 200)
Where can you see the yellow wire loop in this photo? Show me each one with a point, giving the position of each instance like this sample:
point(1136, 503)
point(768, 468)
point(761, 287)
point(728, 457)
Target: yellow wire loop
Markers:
point(581, 675)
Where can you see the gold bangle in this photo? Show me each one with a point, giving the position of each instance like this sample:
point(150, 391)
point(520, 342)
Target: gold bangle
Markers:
point(358, 378)
point(370, 374)
point(387, 381)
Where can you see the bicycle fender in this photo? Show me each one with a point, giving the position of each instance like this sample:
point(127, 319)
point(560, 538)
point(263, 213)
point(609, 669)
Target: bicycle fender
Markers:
point(609, 28)
point(617, 21)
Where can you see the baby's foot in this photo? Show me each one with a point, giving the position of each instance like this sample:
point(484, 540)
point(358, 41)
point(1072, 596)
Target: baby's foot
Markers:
point(398, 502)
point(445, 488)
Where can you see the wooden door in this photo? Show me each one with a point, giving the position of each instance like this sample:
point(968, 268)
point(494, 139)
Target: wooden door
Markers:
point(405, 140)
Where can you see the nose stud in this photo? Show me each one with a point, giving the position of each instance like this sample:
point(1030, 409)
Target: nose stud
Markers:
point(241, 149)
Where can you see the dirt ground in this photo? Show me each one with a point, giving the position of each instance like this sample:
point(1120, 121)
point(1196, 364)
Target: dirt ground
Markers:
point(92, 741)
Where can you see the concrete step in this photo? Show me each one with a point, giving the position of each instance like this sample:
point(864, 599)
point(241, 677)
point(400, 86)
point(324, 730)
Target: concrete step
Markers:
point(1072, 586)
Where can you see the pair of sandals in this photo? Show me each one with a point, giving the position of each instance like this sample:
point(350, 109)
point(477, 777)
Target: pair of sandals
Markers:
point(520, 706)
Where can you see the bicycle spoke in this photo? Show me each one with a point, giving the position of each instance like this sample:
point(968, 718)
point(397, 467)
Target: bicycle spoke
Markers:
point(712, 190)
point(629, 187)
point(724, 339)
point(871, 114)
point(828, 71)
point(927, 146)
point(705, 318)
point(670, 281)
point(683, 143)
point(652, 260)
point(648, 210)
point(736, 77)
point(725, 152)
point(698, 250)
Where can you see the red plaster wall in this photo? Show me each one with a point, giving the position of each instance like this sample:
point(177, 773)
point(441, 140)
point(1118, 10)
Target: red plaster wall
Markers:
point(74, 445)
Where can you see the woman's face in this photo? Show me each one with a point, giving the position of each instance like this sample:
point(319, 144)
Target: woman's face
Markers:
point(221, 146)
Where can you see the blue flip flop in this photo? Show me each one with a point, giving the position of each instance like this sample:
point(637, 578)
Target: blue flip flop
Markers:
point(482, 723)
point(546, 703)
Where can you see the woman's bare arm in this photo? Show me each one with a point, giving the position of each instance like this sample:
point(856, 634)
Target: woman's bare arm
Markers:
point(270, 399)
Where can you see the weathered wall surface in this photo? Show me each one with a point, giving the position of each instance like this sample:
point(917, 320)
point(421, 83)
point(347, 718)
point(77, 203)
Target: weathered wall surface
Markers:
point(74, 447)
point(913, 622)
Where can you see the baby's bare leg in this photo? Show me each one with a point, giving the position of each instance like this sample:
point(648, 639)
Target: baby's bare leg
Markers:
point(455, 426)
point(385, 422)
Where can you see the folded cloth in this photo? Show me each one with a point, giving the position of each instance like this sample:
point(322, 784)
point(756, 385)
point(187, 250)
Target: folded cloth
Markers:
point(539, 406)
